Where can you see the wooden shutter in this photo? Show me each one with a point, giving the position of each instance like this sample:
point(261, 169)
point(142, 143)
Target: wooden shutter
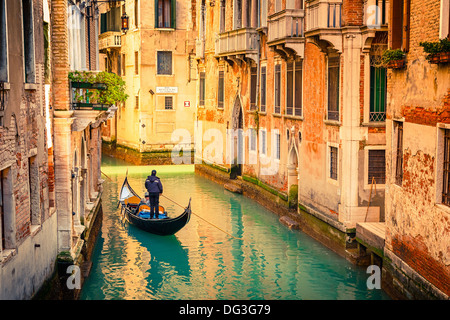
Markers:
point(396, 24)
point(406, 25)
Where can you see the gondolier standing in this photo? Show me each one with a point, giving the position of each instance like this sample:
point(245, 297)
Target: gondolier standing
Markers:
point(154, 187)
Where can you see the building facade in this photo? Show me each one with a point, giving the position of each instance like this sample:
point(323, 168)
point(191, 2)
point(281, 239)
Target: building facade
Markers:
point(155, 57)
point(417, 159)
point(28, 217)
point(302, 79)
point(76, 125)
point(293, 98)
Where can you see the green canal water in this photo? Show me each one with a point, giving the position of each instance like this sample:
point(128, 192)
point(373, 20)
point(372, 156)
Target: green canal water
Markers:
point(264, 260)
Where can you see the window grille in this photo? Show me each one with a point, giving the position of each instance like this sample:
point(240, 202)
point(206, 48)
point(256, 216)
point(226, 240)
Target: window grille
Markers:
point(377, 166)
point(333, 162)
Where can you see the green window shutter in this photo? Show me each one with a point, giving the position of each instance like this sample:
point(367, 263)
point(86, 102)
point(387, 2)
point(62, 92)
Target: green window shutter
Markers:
point(377, 94)
point(103, 26)
point(173, 13)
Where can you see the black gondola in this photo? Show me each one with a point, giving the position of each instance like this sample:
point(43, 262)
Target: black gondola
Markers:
point(129, 200)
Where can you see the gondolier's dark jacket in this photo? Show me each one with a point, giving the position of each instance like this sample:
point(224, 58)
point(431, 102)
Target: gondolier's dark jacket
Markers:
point(153, 185)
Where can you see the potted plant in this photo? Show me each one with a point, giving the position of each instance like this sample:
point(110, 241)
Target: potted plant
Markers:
point(445, 50)
point(97, 90)
point(438, 51)
point(394, 59)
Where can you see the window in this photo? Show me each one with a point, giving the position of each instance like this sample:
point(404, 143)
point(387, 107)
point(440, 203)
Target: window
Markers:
point(28, 40)
point(277, 146)
point(446, 169)
point(136, 13)
point(252, 139)
point(165, 13)
point(123, 64)
point(7, 210)
point(221, 90)
point(294, 88)
point(164, 62)
point(333, 162)
point(398, 131)
point(136, 62)
point(298, 83)
point(377, 94)
point(168, 102)
point(263, 142)
point(33, 183)
point(202, 89)
point(237, 19)
point(253, 83)
point(277, 88)
point(377, 167)
point(290, 88)
point(222, 16)
point(263, 89)
point(400, 25)
point(333, 88)
point(3, 43)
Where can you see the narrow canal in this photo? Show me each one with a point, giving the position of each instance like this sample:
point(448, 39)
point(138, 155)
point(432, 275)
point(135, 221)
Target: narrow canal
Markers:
point(268, 261)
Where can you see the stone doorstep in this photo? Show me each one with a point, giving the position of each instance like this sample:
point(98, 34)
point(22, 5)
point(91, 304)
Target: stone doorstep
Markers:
point(233, 187)
point(371, 233)
point(290, 223)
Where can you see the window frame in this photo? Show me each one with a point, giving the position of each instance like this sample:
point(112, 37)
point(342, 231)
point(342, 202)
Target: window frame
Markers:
point(253, 73)
point(172, 15)
point(445, 189)
point(263, 90)
point(277, 89)
point(367, 183)
point(294, 95)
point(397, 152)
point(4, 37)
point(158, 52)
point(202, 89)
point(221, 89)
point(333, 115)
point(28, 48)
point(378, 93)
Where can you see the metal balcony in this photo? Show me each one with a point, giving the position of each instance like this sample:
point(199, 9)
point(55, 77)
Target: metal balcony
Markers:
point(286, 32)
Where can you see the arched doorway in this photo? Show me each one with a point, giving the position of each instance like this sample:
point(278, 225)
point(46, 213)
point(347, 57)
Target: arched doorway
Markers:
point(237, 139)
point(292, 168)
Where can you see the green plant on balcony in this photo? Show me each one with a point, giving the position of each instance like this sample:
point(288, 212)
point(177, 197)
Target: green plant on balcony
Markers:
point(438, 51)
point(394, 58)
point(103, 88)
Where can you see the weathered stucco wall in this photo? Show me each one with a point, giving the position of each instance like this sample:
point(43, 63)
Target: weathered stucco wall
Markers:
point(417, 224)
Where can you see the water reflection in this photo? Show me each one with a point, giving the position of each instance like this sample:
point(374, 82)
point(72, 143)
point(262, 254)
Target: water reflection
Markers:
point(266, 260)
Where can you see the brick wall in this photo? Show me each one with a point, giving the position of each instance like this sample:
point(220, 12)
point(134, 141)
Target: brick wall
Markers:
point(417, 228)
point(352, 12)
point(60, 55)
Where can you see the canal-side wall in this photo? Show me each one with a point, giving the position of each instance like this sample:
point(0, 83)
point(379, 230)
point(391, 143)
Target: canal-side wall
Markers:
point(130, 155)
point(330, 233)
point(66, 285)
